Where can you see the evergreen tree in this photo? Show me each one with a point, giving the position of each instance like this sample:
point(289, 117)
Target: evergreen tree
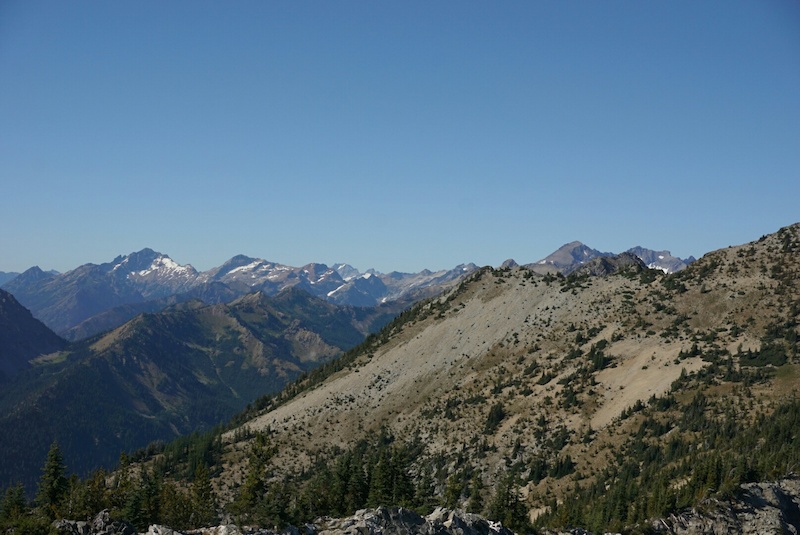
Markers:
point(381, 481)
point(143, 505)
point(176, 507)
point(475, 502)
point(452, 491)
point(254, 487)
point(424, 500)
point(508, 508)
point(53, 483)
point(204, 502)
point(13, 506)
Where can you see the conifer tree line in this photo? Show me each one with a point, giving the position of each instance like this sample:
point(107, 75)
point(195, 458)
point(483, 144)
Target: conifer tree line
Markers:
point(375, 472)
point(140, 496)
point(640, 483)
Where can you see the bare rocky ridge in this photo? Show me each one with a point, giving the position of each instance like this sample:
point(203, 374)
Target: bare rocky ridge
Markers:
point(518, 339)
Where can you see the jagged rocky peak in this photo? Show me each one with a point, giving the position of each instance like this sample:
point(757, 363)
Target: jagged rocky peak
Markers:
point(570, 254)
point(607, 265)
point(662, 260)
point(135, 261)
point(31, 276)
point(151, 264)
point(510, 263)
point(346, 271)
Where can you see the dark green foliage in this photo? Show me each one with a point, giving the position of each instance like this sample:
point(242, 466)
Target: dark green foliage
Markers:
point(14, 505)
point(252, 491)
point(204, 502)
point(453, 490)
point(639, 484)
point(507, 507)
point(768, 355)
point(184, 455)
point(475, 502)
point(143, 504)
point(599, 360)
point(53, 483)
point(374, 472)
point(495, 417)
point(562, 467)
point(176, 507)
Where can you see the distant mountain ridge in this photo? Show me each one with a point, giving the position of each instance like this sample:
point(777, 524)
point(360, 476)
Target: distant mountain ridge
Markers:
point(93, 298)
point(571, 256)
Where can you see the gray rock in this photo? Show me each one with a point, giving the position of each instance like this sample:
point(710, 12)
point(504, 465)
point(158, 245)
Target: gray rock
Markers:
point(401, 521)
point(157, 529)
point(761, 508)
point(72, 527)
point(103, 524)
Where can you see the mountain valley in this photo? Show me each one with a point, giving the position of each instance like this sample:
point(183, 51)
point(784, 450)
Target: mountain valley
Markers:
point(161, 375)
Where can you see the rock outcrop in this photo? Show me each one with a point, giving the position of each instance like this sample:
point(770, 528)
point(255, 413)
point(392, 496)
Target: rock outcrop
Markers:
point(760, 508)
point(102, 524)
point(400, 521)
point(380, 521)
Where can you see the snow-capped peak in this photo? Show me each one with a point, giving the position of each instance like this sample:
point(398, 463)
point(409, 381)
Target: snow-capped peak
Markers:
point(167, 265)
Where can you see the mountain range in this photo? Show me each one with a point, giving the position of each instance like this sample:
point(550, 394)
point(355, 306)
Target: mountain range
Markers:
point(94, 298)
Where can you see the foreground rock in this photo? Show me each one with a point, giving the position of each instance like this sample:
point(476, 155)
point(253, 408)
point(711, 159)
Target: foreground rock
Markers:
point(400, 521)
point(380, 521)
point(102, 524)
point(760, 508)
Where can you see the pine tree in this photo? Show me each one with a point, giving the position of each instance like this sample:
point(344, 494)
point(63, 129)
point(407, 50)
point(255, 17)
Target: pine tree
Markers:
point(452, 491)
point(475, 502)
point(508, 508)
point(381, 481)
point(53, 483)
point(13, 505)
point(424, 500)
point(176, 507)
point(204, 502)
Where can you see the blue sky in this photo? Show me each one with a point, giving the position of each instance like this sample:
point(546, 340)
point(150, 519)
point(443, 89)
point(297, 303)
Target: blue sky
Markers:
point(393, 135)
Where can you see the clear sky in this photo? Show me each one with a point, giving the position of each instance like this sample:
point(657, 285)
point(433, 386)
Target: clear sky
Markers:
point(393, 135)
